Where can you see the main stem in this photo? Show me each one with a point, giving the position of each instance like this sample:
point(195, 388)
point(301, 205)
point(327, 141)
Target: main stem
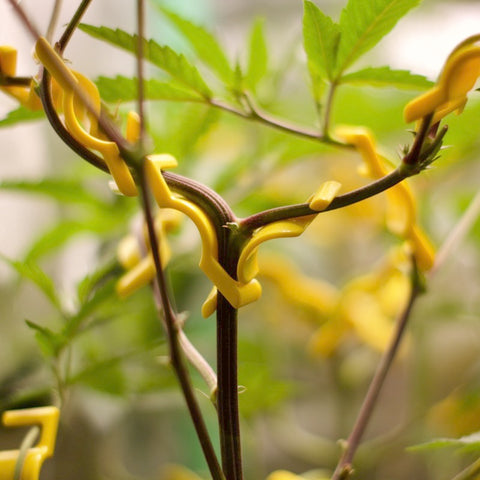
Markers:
point(227, 369)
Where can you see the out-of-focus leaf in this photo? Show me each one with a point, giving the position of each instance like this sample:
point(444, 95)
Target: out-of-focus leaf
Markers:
point(101, 295)
point(21, 115)
point(320, 40)
point(62, 190)
point(184, 129)
point(386, 77)
point(124, 89)
point(104, 376)
point(161, 56)
point(257, 55)
point(50, 344)
point(469, 442)
point(31, 271)
point(205, 45)
point(364, 23)
point(56, 237)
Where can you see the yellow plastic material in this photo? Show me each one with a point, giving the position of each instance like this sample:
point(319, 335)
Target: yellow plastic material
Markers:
point(323, 197)
point(248, 263)
point(367, 307)
point(237, 293)
point(401, 211)
point(75, 112)
point(458, 77)
point(47, 418)
point(283, 475)
point(142, 270)
point(311, 294)
point(8, 67)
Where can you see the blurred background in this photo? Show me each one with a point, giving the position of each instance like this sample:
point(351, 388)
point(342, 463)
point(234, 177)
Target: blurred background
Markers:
point(122, 414)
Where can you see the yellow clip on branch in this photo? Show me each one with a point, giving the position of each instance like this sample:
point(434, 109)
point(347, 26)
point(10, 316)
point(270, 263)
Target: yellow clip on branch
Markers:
point(401, 211)
point(8, 68)
point(47, 418)
point(237, 293)
point(458, 77)
point(73, 108)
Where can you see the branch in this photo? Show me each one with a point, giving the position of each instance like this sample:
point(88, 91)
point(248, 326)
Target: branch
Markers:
point(344, 467)
point(300, 210)
point(172, 330)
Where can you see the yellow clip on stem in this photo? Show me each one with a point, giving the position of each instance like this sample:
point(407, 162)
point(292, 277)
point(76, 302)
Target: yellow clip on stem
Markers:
point(67, 80)
point(238, 294)
point(8, 67)
point(458, 77)
point(248, 265)
point(47, 418)
point(401, 213)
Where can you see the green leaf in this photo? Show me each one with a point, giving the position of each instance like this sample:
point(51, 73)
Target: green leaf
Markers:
point(386, 77)
point(20, 115)
point(257, 55)
point(181, 141)
point(31, 271)
point(205, 45)
point(123, 89)
point(320, 40)
point(161, 56)
point(62, 190)
point(364, 23)
point(104, 375)
point(469, 442)
point(49, 343)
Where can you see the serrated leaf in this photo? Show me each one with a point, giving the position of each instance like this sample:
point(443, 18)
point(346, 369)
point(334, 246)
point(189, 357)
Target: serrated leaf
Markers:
point(161, 56)
point(62, 190)
point(320, 40)
point(205, 45)
point(124, 89)
point(386, 77)
point(21, 115)
point(470, 442)
point(257, 55)
point(363, 24)
point(31, 271)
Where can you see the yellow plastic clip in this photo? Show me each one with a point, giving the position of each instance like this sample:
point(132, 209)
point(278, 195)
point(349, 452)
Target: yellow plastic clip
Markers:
point(73, 108)
point(323, 197)
point(141, 269)
point(47, 418)
point(237, 293)
point(248, 263)
point(401, 210)
point(458, 77)
point(8, 67)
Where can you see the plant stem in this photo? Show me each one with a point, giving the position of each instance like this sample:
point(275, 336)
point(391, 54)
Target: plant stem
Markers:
point(53, 20)
point(176, 356)
point(227, 369)
point(140, 65)
point(256, 114)
point(344, 467)
point(72, 25)
point(24, 19)
point(469, 473)
point(328, 109)
point(261, 219)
